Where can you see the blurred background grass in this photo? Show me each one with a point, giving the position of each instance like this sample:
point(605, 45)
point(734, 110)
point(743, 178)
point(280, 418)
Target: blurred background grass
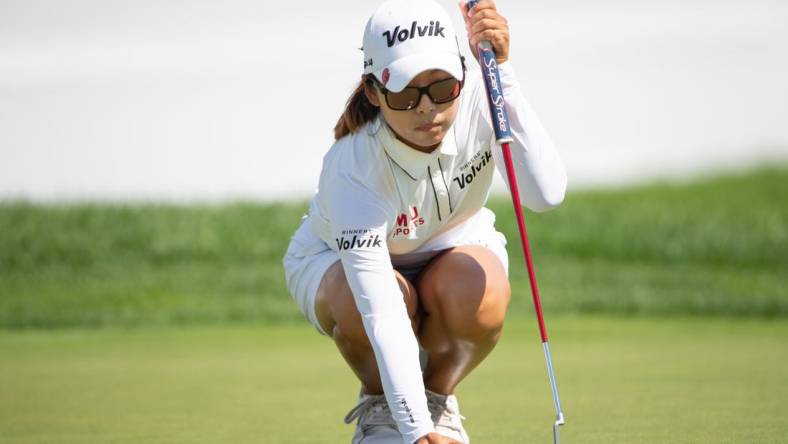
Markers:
point(713, 246)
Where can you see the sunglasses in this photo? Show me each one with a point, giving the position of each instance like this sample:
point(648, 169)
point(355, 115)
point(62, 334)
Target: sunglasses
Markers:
point(441, 91)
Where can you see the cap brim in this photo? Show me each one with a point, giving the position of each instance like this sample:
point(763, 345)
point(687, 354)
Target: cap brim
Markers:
point(403, 70)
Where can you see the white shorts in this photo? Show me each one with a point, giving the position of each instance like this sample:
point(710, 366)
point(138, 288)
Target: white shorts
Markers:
point(308, 257)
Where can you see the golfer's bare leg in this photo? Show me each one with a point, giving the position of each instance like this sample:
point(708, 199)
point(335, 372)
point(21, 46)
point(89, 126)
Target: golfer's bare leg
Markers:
point(464, 294)
point(337, 313)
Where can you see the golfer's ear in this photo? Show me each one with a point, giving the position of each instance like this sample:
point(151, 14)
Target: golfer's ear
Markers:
point(371, 93)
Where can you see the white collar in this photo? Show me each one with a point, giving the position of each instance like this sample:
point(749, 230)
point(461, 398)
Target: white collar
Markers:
point(412, 161)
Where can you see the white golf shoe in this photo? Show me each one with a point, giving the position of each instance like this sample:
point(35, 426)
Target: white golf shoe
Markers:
point(375, 424)
point(445, 413)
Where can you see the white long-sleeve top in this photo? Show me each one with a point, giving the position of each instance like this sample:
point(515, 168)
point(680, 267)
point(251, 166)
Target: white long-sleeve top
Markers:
point(377, 197)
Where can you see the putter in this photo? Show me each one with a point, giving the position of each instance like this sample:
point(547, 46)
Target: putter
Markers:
point(500, 118)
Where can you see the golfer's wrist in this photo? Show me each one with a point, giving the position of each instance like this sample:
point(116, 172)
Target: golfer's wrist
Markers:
point(421, 434)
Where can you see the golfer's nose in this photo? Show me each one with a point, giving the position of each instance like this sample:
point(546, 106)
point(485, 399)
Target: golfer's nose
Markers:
point(425, 105)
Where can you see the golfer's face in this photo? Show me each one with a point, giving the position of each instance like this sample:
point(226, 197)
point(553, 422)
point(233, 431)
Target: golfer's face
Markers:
point(424, 126)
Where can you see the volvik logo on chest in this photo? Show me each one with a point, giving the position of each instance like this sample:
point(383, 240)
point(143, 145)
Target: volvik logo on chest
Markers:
point(464, 179)
point(407, 222)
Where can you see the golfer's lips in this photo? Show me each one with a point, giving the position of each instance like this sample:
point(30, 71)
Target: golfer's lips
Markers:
point(429, 126)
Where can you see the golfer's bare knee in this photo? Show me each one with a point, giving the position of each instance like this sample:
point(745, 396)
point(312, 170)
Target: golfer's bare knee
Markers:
point(469, 291)
point(336, 308)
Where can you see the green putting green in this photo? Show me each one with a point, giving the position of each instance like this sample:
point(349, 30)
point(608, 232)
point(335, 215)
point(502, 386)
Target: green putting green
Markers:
point(671, 380)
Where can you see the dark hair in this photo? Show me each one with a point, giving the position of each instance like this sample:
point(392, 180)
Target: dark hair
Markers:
point(358, 110)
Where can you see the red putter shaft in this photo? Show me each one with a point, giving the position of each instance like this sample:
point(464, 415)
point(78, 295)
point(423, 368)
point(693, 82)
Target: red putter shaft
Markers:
point(507, 156)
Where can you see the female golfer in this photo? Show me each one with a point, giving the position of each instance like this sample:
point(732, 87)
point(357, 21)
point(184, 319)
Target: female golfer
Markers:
point(398, 260)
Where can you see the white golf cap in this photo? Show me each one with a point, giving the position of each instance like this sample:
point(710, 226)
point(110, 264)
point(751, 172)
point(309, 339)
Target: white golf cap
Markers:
point(406, 37)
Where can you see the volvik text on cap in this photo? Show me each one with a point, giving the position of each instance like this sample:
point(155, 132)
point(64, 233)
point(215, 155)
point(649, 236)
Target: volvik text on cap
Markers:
point(406, 37)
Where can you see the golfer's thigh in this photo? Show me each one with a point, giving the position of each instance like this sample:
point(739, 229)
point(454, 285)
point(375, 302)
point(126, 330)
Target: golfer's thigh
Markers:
point(466, 285)
point(335, 306)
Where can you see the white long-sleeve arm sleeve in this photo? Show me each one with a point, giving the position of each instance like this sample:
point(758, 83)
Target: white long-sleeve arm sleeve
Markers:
point(540, 173)
point(359, 224)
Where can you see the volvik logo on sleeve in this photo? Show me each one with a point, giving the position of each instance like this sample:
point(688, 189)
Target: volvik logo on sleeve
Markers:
point(352, 239)
point(434, 29)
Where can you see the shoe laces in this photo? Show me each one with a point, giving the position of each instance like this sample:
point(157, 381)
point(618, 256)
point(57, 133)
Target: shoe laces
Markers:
point(372, 411)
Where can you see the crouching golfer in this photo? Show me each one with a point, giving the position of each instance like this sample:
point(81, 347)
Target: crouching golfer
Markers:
point(398, 260)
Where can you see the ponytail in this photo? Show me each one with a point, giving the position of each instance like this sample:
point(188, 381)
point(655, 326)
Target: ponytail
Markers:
point(358, 111)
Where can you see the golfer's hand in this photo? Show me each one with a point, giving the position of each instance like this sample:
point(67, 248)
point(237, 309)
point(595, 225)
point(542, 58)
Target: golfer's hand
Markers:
point(483, 22)
point(434, 438)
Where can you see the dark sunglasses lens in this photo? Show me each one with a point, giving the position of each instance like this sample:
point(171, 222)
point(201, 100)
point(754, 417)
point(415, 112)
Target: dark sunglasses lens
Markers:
point(445, 90)
point(408, 98)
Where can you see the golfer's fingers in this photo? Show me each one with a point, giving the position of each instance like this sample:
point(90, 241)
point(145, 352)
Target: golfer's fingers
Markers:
point(483, 7)
point(486, 23)
point(498, 38)
point(486, 18)
point(483, 4)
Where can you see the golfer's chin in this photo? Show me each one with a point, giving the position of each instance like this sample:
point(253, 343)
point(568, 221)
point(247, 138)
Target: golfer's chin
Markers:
point(425, 140)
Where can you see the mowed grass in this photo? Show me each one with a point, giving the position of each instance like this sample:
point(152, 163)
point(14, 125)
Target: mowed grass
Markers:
point(716, 246)
point(678, 380)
